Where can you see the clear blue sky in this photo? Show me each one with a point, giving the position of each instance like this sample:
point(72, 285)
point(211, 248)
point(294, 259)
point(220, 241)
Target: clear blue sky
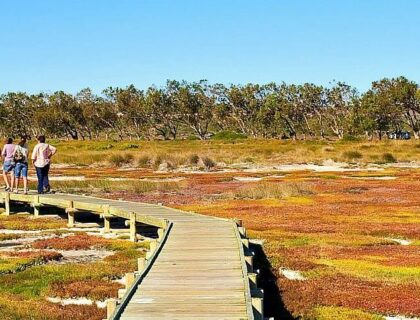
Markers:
point(48, 45)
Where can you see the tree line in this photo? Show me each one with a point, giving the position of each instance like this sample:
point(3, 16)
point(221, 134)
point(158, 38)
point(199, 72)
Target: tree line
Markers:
point(183, 109)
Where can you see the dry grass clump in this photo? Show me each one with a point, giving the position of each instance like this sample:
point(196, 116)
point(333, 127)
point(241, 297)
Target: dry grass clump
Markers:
point(272, 190)
point(95, 289)
point(20, 222)
point(108, 186)
point(12, 262)
point(208, 163)
point(388, 158)
point(352, 155)
point(118, 159)
point(83, 241)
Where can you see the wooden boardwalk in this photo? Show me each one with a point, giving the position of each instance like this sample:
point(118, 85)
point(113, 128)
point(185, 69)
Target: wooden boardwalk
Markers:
point(199, 267)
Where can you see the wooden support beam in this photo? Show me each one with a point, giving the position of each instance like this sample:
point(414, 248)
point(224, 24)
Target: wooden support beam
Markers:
point(250, 263)
point(70, 214)
point(253, 280)
point(129, 279)
point(238, 222)
point(245, 243)
point(111, 306)
point(133, 227)
point(242, 232)
point(258, 308)
point(141, 264)
point(7, 203)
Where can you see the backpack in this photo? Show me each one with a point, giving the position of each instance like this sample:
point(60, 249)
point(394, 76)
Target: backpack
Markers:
point(19, 156)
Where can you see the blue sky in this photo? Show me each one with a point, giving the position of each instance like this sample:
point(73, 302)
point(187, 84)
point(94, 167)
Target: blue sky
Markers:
point(48, 45)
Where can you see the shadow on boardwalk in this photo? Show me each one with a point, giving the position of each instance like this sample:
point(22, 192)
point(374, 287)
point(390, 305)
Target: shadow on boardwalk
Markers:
point(273, 302)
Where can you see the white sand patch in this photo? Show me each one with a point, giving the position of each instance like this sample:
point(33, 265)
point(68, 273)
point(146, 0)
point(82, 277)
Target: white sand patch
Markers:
point(247, 179)
point(175, 179)
point(402, 242)
point(400, 318)
point(82, 256)
point(275, 176)
point(7, 231)
point(76, 301)
point(119, 179)
point(291, 274)
point(120, 281)
point(412, 165)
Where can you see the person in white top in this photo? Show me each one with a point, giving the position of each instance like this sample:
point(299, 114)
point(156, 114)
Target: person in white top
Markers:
point(20, 157)
point(41, 159)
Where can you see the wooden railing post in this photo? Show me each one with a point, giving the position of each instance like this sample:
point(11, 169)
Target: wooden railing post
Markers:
point(36, 206)
point(7, 203)
point(107, 219)
point(152, 249)
point(70, 214)
point(141, 264)
point(111, 306)
point(160, 234)
point(133, 227)
point(129, 279)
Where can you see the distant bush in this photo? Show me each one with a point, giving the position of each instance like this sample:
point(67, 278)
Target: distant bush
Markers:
point(228, 135)
point(352, 155)
point(129, 146)
point(118, 159)
point(388, 158)
point(351, 138)
point(193, 159)
point(104, 147)
point(208, 163)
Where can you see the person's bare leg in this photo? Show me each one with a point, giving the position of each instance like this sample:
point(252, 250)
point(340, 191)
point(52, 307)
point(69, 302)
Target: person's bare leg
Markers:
point(12, 180)
point(25, 185)
point(17, 184)
point(6, 180)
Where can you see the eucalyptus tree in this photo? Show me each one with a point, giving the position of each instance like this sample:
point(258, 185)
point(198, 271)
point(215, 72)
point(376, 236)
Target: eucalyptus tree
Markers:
point(341, 101)
point(162, 113)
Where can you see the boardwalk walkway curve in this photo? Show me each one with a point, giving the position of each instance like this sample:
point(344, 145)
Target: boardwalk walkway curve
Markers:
point(199, 267)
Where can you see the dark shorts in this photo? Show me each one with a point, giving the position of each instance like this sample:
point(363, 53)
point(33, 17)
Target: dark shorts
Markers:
point(8, 166)
point(21, 170)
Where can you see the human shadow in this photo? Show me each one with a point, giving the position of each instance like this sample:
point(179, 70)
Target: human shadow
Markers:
point(273, 303)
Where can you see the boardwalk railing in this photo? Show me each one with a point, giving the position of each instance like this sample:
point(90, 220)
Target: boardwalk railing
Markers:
point(164, 219)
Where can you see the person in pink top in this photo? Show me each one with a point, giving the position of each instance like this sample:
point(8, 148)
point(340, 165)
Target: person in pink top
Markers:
point(41, 159)
point(8, 163)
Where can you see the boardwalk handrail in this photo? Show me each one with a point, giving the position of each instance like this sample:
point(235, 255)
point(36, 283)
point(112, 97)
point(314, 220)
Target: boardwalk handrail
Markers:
point(140, 276)
point(106, 209)
point(248, 299)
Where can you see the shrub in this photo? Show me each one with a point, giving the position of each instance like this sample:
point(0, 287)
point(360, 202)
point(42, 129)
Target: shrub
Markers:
point(388, 158)
point(228, 135)
point(129, 146)
point(208, 163)
point(193, 159)
point(121, 159)
point(352, 155)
